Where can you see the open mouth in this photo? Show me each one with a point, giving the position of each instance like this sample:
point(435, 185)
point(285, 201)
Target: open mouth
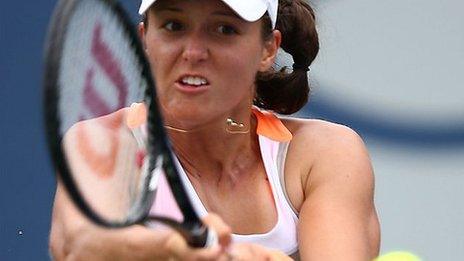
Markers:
point(193, 81)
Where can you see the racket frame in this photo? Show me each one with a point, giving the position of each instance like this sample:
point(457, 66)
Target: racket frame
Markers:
point(195, 232)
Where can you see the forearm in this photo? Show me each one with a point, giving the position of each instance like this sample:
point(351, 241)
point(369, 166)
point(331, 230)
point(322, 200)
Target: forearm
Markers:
point(95, 243)
point(74, 237)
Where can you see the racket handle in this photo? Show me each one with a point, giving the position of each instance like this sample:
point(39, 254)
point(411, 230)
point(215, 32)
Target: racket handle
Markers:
point(199, 237)
point(203, 237)
point(211, 238)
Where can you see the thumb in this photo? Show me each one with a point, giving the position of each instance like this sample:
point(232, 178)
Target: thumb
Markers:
point(223, 231)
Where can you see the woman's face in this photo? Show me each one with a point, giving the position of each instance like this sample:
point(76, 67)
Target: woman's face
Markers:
point(204, 58)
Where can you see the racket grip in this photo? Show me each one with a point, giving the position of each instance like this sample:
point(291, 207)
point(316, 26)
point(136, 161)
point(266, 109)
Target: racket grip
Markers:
point(211, 238)
point(202, 238)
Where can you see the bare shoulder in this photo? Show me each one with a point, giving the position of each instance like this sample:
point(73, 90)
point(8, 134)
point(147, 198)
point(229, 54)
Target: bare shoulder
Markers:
point(321, 139)
point(323, 152)
point(321, 133)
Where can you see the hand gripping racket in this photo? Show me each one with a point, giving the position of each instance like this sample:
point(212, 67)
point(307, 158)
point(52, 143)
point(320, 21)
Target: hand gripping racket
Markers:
point(108, 149)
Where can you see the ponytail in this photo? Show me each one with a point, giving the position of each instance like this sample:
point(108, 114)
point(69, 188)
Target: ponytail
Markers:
point(281, 91)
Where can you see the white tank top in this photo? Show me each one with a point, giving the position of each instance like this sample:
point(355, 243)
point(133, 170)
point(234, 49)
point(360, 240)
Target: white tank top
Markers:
point(282, 237)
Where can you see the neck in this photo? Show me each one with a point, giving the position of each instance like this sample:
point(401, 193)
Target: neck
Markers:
point(214, 152)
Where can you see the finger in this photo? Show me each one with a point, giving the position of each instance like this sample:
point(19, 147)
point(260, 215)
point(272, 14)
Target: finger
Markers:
point(178, 249)
point(176, 246)
point(221, 228)
point(209, 253)
point(243, 251)
point(275, 255)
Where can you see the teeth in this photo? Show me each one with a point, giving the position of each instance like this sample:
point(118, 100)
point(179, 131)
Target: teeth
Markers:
point(193, 80)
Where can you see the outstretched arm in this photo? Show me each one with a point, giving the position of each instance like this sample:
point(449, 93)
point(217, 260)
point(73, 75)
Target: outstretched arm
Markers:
point(73, 237)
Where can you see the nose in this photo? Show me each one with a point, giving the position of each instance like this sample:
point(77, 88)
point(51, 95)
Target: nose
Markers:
point(195, 49)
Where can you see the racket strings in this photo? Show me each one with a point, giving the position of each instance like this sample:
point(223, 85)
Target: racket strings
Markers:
point(99, 76)
point(95, 70)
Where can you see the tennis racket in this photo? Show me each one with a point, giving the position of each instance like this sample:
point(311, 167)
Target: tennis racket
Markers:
point(105, 131)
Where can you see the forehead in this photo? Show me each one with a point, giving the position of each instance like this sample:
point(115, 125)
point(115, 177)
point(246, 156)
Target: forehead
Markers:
point(201, 7)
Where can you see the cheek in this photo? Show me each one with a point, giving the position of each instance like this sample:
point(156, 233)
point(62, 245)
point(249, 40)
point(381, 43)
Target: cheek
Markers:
point(161, 63)
point(241, 67)
point(157, 59)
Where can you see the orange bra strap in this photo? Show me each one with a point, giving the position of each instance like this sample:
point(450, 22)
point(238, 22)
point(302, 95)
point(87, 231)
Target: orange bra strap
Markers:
point(271, 126)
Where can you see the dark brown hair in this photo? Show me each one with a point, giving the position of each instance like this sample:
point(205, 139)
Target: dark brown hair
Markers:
point(282, 91)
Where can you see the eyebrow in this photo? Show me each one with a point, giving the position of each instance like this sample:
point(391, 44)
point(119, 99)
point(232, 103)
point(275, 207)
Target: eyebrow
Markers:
point(165, 8)
point(168, 9)
point(226, 13)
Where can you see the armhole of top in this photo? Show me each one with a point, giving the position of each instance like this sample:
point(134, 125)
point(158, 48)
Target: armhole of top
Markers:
point(281, 157)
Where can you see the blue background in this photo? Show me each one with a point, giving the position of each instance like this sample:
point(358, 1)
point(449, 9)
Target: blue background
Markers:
point(26, 181)
point(26, 177)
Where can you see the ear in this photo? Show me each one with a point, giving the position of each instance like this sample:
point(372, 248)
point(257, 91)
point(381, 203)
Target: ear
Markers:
point(271, 47)
point(141, 30)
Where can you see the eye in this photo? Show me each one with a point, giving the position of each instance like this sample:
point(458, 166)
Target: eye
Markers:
point(173, 26)
point(226, 30)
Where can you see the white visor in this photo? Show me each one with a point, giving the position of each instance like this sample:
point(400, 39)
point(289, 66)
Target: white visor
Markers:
point(248, 10)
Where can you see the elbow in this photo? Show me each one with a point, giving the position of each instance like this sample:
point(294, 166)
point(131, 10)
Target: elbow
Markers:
point(55, 250)
point(56, 242)
point(66, 245)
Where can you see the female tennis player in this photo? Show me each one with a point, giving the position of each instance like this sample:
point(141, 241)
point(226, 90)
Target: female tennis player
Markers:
point(303, 188)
